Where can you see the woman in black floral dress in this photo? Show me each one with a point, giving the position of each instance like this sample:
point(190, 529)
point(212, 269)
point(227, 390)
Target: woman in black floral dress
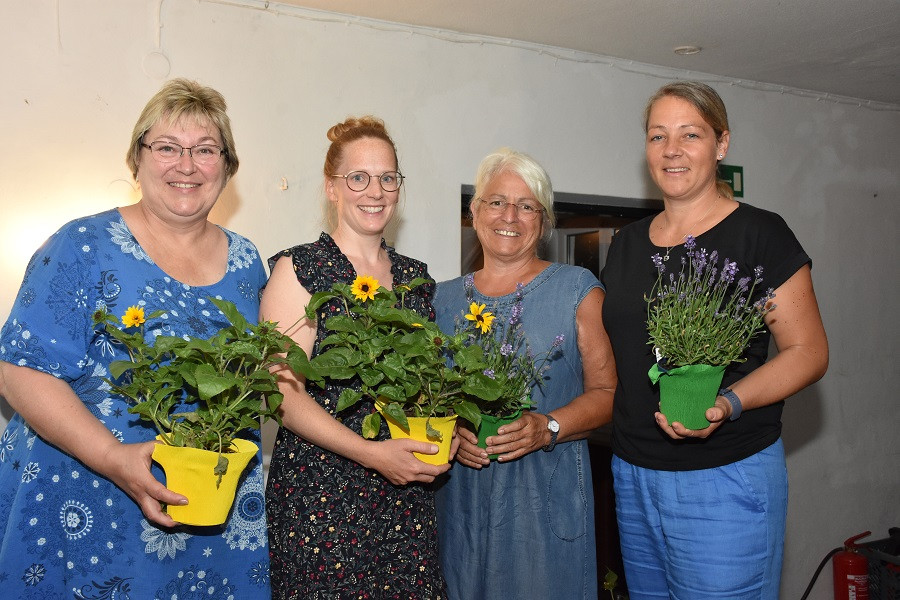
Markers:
point(348, 517)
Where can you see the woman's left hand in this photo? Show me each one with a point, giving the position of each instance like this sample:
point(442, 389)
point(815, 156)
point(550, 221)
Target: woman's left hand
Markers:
point(715, 415)
point(523, 436)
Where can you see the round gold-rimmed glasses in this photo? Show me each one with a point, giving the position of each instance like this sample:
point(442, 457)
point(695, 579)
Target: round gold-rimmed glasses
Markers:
point(390, 181)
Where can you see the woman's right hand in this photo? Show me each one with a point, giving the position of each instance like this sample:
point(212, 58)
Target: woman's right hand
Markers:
point(395, 461)
point(468, 453)
point(128, 466)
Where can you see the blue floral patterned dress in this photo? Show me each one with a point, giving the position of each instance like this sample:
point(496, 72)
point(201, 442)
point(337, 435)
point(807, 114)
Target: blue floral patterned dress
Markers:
point(68, 532)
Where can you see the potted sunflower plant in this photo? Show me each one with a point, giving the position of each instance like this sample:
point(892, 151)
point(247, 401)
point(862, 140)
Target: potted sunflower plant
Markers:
point(200, 395)
point(419, 379)
point(510, 359)
point(699, 321)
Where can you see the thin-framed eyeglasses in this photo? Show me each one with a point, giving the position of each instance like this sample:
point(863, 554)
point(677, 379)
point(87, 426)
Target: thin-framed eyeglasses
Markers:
point(169, 152)
point(526, 210)
point(390, 181)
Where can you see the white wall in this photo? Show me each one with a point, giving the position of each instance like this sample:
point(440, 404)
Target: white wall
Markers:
point(75, 75)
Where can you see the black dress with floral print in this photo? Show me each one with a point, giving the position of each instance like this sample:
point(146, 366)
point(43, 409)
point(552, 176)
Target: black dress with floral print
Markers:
point(336, 529)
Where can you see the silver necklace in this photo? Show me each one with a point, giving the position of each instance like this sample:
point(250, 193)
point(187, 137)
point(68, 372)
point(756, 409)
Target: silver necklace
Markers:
point(682, 238)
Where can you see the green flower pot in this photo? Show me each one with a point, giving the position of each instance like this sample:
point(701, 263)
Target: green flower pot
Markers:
point(489, 426)
point(685, 393)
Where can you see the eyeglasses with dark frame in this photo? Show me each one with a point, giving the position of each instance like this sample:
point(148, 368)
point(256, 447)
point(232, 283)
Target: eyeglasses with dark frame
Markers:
point(169, 152)
point(358, 181)
point(527, 211)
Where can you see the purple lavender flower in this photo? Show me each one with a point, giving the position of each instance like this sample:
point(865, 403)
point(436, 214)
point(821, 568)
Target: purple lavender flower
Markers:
point(469, 283)
point(558, 341)
point(699, 260)
point(706, 309)
point(506, 349)
point(516, 312)
point(658, 262)
point(729, 269)
point(489, 373)
point(690, 243)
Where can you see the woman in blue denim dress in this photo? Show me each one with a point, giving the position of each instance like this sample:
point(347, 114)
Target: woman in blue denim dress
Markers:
point(523, 525)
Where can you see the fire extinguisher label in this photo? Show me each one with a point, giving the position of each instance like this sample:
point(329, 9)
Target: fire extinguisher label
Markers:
point(857, 587)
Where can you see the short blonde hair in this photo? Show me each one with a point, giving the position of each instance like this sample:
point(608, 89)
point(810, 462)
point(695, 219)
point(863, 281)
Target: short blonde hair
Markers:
point(184, 98)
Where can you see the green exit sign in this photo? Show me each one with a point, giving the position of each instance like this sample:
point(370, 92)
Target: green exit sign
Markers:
point(734, 175)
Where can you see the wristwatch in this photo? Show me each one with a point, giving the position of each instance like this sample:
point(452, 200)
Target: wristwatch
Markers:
point(553, 427)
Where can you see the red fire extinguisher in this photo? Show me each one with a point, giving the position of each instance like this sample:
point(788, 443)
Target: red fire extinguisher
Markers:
point(851, 571)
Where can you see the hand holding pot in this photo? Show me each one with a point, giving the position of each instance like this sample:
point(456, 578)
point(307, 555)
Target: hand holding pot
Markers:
point(468, 453)
point(395, 460)
point(129, 468)
point(715, 415)
point(526, 434)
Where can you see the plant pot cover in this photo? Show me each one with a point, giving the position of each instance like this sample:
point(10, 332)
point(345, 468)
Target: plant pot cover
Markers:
point(685, 393)
point(489, 426)
point(189, 471)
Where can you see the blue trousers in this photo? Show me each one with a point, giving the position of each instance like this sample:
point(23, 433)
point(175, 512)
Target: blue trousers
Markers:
point(711, 533)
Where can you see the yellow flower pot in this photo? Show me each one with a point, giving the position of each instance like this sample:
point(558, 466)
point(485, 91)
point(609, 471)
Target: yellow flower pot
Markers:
point(417, 432)
point(189, 471)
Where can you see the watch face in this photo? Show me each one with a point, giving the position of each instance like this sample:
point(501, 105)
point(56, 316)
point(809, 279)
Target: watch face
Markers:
point(553, 426)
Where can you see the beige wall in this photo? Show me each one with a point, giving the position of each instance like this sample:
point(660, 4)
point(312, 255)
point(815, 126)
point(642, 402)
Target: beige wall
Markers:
point(75, 75)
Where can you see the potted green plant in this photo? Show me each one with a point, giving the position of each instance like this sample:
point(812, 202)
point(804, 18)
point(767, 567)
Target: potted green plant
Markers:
point(510, 360)
point(700, 320)
point(397, 359)
point(200, 394)
point(417, 376)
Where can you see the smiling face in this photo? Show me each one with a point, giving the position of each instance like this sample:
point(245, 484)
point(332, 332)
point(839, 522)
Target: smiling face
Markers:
point(181, 191)
point(367, 212)
point(506, 235)
point(682, 149)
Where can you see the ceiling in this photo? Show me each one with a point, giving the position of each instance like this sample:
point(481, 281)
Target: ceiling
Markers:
point(848, 48)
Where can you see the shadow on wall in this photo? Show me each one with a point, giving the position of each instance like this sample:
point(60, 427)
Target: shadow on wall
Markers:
point(226, 207)
point(802, 418)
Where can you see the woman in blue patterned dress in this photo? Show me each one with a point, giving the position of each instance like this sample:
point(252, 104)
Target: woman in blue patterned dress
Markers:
point(348, 517)
point(80, 513)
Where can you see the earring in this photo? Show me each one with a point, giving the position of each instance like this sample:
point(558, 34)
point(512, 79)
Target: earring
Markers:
point(721, 156)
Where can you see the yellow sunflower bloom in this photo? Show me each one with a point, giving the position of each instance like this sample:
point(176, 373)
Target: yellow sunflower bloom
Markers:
point(364, 288)
point(482, 318)
point(133, 317)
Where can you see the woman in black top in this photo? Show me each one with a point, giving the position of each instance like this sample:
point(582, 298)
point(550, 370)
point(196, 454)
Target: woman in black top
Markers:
point(701, 512)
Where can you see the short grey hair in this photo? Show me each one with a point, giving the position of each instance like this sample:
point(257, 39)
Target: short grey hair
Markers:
point(507, 160)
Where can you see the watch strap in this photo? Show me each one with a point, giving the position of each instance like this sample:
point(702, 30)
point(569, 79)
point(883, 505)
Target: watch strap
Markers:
point(736, 406)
